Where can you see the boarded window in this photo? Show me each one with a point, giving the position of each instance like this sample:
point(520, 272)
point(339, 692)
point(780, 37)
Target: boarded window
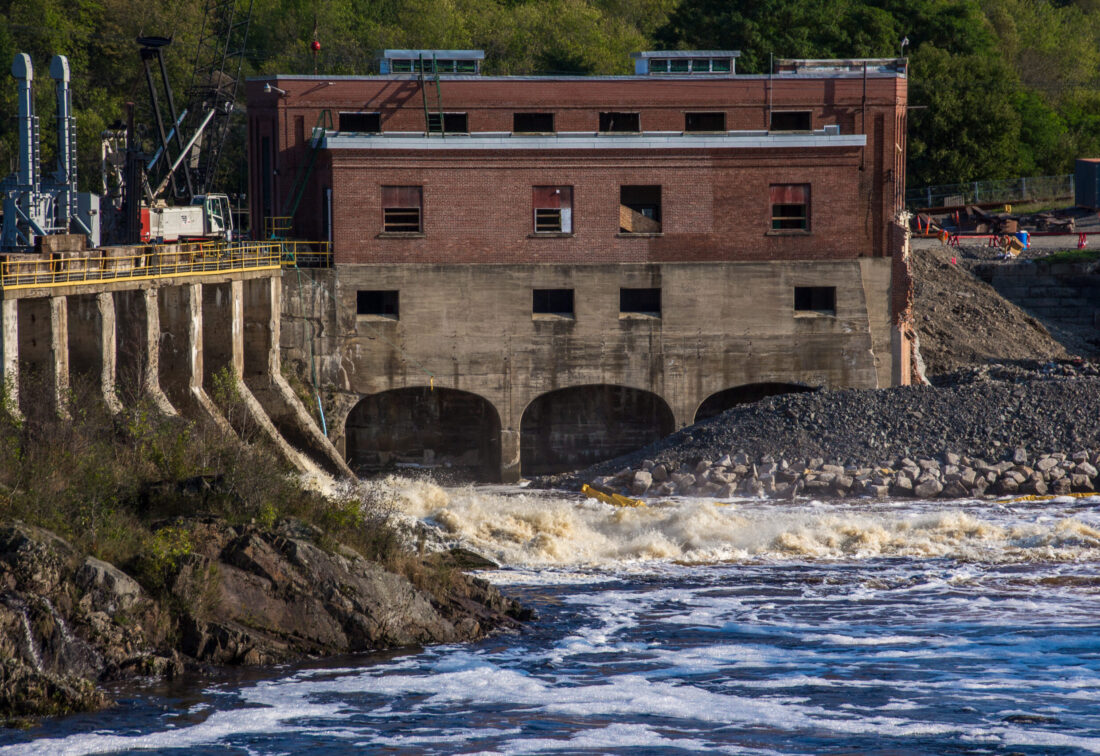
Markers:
point(366, 123)
point(792, 120)
point(640, 209)
point(451, 123)
point(611, 122)
point(533, 123)
point(552, 302)
point(704, 121)
point(378, 303)
point(553, 209)
point(401, 209)
point(640, 301)
point(790, 207)
point(820, 299)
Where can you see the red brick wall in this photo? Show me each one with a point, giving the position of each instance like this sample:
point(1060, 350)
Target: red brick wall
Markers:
point(714, 206)
point(712, 202)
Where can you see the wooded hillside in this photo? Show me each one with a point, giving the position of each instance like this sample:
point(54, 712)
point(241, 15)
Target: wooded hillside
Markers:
point(1005, 88)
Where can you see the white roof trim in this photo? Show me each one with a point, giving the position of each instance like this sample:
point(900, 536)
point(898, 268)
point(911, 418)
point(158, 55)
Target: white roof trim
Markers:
point(587, 141)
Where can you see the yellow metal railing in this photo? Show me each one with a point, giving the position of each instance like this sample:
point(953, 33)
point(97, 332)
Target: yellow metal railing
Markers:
point(277, 226)
point(303, 254)
point(148, 262)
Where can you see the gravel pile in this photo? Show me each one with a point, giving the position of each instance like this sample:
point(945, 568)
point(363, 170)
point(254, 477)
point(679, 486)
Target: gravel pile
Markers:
point(998, 429)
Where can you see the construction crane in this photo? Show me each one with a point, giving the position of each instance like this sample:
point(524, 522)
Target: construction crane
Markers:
point(191, 140)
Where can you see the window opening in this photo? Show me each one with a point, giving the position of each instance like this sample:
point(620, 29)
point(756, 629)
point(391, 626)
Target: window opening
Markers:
point(553, 208)
point(378, 303)
point(790, 207)
point(640, 209)
point(619, 122)
point(452, 123)
point(679, 65)
point(800, 120)
point(640, 301)
point(704, 121)
point(658, 65)
point(401, 209)
point(552, 302)
point(820, 299)
point(532, 123)
point(368, 123)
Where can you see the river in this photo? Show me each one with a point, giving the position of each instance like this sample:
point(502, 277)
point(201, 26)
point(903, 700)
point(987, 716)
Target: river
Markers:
point(733, 627)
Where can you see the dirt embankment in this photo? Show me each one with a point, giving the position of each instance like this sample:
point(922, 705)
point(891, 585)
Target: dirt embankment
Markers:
point(962, 321)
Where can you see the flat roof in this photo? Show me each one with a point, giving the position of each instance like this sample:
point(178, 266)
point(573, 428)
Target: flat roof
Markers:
point(687, 54)
point(834, 73)
point(429, 53)
point(587, 141)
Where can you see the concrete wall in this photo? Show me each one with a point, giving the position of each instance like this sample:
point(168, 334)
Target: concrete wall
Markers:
point(471, 328)
point(1065, 298)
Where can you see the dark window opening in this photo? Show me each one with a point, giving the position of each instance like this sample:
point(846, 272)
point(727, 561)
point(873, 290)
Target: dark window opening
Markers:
point(452, 123)
point(815, 299)
point(533, 123)
point(401, 209)
point(640, 209)
point(552, 302)
point(640, 301)
point(628, 122)
point(381, 303)
point(704, 121)
point(679, 65)
point(790, 207)
point(366, 123)
point(553, 208)
point(792, 121)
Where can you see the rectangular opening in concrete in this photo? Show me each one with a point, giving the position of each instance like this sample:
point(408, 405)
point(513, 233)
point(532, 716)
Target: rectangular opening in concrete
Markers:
point(36, 364)
point(85, 337)
point(620, 122)
point(131, 344)
point(217, 332)
point(257, 326)
point(175, 354)
point(640, 302)
point(819, 299)
point(402, 209)
point(377, 303)
point(552, 302)
point(640, 209)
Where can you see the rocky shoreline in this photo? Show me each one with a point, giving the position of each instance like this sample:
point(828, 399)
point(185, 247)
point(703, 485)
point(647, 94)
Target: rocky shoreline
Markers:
point(233, 594)
point(997, 430)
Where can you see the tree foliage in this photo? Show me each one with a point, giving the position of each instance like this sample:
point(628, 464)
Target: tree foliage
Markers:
point(1003, 87)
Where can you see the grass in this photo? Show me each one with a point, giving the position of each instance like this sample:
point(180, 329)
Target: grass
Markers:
point(1072, 256)
point(109, 484)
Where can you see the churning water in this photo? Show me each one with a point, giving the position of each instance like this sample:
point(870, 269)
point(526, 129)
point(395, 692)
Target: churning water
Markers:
point(748, 627)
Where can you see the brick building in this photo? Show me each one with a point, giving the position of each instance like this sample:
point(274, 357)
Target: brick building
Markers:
point(533, 272)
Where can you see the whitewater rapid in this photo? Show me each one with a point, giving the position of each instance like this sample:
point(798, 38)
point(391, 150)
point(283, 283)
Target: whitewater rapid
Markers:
point(547, 529)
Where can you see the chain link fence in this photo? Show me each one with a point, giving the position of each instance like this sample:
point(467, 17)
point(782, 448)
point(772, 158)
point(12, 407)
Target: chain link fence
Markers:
point(1028, 189)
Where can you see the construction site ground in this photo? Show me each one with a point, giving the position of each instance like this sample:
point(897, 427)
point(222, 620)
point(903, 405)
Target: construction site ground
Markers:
point(962, 321)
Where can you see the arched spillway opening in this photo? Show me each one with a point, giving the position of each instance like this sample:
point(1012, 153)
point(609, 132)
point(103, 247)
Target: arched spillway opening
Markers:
point(717, 403)
point(575, 427)
point(442, 429)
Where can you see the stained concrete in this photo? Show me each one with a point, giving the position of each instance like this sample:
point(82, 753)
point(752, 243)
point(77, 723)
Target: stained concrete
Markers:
point(471, 328)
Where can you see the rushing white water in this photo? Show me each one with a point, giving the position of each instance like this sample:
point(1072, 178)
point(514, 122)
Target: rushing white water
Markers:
point(544, 529)
point(728, 627)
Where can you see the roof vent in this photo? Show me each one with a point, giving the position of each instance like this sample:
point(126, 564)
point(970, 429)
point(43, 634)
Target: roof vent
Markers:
point(431, 61)
point(691, 62)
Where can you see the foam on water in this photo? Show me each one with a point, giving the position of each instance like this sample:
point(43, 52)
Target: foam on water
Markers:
point(546, 529)
point(753, 627)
